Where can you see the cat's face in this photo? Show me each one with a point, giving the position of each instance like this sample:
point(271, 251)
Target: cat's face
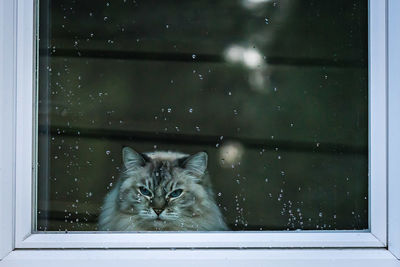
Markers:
point(164, 193)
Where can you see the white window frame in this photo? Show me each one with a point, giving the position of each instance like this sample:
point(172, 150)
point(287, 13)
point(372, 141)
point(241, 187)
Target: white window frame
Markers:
point(19, 244)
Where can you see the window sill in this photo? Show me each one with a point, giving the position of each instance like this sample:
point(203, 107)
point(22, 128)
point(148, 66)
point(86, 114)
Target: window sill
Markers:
point(212, 257)
point(300, 239)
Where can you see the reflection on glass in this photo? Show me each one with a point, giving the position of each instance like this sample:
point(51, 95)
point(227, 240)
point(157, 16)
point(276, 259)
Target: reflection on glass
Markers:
point(230, 154)
point(254, 3)
point(272, 97)
point(250, 57)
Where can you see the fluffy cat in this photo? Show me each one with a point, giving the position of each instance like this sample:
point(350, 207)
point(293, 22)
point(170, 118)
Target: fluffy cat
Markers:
point(162, 191)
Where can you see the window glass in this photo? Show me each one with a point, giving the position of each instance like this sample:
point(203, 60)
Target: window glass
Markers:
point(269, 97)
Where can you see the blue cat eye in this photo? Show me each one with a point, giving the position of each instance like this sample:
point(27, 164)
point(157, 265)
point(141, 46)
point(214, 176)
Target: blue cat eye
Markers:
point(176, 193)
point(144, 191)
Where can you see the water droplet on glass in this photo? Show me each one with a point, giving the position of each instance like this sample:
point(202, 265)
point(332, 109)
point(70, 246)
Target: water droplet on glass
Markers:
point(193, 56)
point(266, 21)
point(190, 110)
point(108, 152)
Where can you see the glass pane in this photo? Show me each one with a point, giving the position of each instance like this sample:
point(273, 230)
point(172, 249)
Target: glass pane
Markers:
point(274, 92)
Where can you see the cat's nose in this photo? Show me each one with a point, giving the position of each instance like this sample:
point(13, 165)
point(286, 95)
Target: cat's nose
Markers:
point(158, 211)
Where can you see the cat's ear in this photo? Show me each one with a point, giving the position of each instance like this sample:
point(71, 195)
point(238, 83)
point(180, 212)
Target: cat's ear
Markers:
point(197, 163)
point(133, 159)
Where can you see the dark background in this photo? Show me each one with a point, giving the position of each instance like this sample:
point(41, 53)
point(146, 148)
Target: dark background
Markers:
point(162, 75)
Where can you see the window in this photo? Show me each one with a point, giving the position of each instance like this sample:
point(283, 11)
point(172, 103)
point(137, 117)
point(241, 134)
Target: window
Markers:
point(279, 104)
point(26, 235)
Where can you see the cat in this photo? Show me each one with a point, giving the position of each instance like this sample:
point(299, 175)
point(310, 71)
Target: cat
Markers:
point(162, 191)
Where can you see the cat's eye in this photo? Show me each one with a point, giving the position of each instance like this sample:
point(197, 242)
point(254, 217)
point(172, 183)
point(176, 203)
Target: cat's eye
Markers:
point(176, 193)
point(144, 191)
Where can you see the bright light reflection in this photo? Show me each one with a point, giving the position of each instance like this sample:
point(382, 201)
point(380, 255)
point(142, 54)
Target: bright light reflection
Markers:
point(250, 57)
point(230, 154)
point(254, 3)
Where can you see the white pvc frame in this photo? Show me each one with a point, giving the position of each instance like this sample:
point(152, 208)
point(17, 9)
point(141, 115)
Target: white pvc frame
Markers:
point(17, 97)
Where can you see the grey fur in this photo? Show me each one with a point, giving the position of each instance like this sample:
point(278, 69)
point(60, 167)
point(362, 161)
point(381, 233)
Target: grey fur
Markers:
point(126, 208)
